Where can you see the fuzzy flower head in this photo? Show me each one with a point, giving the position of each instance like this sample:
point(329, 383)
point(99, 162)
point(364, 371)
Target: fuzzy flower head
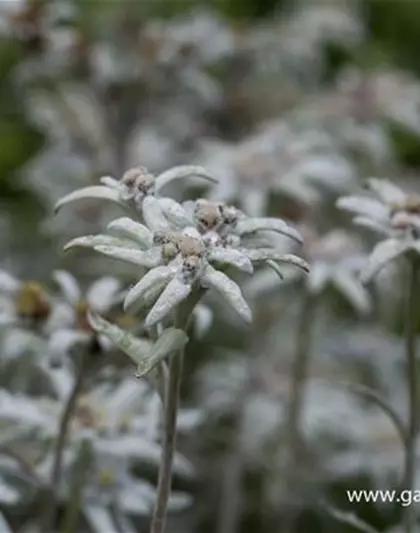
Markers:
point(393, 214)
point(188, 248)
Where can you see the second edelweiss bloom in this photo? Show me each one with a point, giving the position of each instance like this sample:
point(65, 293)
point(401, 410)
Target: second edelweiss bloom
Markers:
point(393, 214)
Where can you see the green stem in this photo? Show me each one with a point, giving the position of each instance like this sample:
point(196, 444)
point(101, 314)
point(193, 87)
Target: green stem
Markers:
point(171, 412)
point(48, 516)
point(410, 351)
point(299, 377)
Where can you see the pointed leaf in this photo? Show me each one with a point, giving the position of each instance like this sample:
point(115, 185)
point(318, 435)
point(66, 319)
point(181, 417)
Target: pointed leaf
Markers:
point(251, 225)
point(318, 277)
point(215, 279)
point(231, 256)
point(386, 191)
point(68, 285)
point(153, 215)
point(365, 207)
point(129, 229)
point(88, 193)
point(352, 290)
point(110, 182)
point(383, 253)
point(175, 292)
point(137, 349)
point(170, 341)
point(175, 213)
point(148, 259)
point(99, 519)
point(371, 224)
point(92, 241)
point(183, 171)
point(264, 254)
point(154, 280)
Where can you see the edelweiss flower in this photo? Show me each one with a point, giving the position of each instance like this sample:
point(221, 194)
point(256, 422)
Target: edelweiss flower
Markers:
point(392, 213)
point(138, 188)
point(184, 251)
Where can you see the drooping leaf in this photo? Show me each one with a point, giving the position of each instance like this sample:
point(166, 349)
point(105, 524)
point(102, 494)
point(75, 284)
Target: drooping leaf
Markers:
point(383, 253)
point(183, 171)
point(171, 340)
point(175, 292)
point(127, 228)
point(215, 279)
point(251, 225)
point(265, 254)
point(99, 192)
point(137, 349)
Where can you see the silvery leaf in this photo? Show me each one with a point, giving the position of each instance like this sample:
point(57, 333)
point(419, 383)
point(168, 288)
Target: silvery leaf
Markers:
point(153, 215)
point(383, 253)
point(251, 225)
point(89, 193)
point(215, 279)
point(264, 254)
point(276, 268)
point(233, 257)
point(137, 349)
point(371, 224)
point(102, 294)
point(99, 518)
point(8, 283)
point(91, 241)
point(175, 292)
point(352, 290)
point(318, 277)
point(170, 341)
point(109, 181)
point(145, 258)
point(179, 501)
point(156, 279)
point(365, 207)
point(386, 191)
point(127, 228)
point(68, 285)
point(183, 171)
point(175, 213)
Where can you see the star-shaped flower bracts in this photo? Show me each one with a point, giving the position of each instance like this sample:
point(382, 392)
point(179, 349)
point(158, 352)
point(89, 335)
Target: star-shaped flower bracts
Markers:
point(393, 214)
point(187, 247)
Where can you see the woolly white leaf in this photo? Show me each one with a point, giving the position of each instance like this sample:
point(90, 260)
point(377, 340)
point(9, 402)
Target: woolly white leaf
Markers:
point(214, 279)
point(102, 293)
point(153, 215)
point(129, 229)
point(170, 341)
point(183, 171)
point(8, 283)
point(175, 292)
point(230, 256)
point(175, 213)
point(88, 193)
point(91, 241)
point(148, 258)
point(386, 191)
point(109, 181)
point(383, 253)
point(366, 207)
point(371, 224)
point(251, 225)
point(137, 349)
point(318, 277)
point(156, 279)
point(264, 254)
point(352, 290)
point(68, 285)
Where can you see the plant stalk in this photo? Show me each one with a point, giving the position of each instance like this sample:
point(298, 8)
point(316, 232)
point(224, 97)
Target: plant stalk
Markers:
point(182, 317)
point(48, 516)
point(299, 377)
point(410, 352)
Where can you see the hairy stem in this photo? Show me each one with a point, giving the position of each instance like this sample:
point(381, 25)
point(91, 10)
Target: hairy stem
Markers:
point(299, 377)
point(410, 352)
point(171, 412)
point(50, 509)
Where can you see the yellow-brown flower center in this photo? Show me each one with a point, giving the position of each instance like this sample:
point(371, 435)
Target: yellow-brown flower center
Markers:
point(81, 310)
point(32, 302)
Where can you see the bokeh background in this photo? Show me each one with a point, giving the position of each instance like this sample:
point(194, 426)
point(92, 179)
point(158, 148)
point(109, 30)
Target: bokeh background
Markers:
point(290, 103)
